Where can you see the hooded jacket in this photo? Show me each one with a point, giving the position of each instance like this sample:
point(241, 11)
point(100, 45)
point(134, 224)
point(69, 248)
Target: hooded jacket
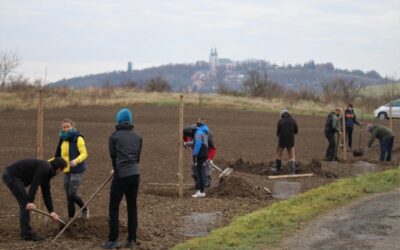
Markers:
point(201, 142)
point(125, 147)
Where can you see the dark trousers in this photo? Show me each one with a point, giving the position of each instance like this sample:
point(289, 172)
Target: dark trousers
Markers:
point(349, 136)
point(331, 150)
point(129, 187)
point(17, 188)
point(71, 185)
point(386, 149)
point(201, 174)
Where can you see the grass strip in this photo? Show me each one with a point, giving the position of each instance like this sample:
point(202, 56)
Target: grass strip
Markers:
point(266, 227)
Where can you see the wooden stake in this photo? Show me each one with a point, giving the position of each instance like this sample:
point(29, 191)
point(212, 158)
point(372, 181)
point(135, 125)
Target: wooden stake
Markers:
point(39, 155)
point(390, 116)
point(180, 160)
point(289, 176)
point(344, 135)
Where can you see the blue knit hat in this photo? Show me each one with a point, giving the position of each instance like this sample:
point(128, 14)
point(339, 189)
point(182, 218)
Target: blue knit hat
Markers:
point(124, 115)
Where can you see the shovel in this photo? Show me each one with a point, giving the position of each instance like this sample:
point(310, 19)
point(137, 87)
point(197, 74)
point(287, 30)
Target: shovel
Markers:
point(360, 151)
point(224, 173)
point(47, 214)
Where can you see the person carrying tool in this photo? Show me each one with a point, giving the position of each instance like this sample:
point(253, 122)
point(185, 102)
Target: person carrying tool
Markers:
point(125, 147)
point(350, 120)
point(331, 128)
point(386, 139)
point(33, 173)
point(286, 130)
point(200, 155)
point(71, 147)
point(188, 142)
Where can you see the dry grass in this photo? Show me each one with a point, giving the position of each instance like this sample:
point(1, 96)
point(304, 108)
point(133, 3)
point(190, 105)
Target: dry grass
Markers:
point(64, 97)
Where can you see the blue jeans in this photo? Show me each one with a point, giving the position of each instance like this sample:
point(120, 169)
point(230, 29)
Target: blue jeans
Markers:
point(386, 149)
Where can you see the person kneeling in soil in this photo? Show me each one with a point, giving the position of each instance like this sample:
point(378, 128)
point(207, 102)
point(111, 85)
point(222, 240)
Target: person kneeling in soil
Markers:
point(35, 173)
point(125, 147)
point(200, 155)
point(286, 130)
point(188, 138)
point(386, 138)
point(71, 147)
point(331, 128)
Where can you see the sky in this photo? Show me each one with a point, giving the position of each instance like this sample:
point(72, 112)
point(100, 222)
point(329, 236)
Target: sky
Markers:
point(78, 37)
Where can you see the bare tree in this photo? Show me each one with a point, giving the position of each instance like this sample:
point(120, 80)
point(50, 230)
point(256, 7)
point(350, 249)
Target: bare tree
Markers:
point(8, 62)
point(340, 90)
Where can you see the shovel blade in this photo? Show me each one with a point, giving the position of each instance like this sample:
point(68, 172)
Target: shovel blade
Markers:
point(226, 172)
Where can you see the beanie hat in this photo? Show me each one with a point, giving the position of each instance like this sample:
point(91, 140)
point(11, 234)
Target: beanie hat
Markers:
point(369, 127)
point(124, 115)
point(283, 111)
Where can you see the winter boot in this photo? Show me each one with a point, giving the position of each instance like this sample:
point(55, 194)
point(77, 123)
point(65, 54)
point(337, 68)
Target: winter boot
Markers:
point(277, 169)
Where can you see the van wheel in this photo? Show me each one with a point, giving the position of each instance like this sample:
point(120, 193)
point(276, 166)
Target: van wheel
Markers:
point(382, 116)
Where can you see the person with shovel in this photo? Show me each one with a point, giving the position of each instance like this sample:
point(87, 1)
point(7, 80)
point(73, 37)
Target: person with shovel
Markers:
point(332, 126)
point(34, 173)
point(188, 143)
point(200, 155)
point(125, 147)
point(71, 147)
point(286, 130)
point(350, 120)
point(386, 139)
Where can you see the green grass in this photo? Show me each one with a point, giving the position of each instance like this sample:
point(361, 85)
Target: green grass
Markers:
point(266, 227)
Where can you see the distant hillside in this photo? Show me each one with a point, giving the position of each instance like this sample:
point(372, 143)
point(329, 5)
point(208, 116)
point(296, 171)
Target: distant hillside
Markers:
point(197, 77)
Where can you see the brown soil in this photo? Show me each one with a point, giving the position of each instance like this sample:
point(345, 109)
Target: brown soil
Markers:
point(249, 136)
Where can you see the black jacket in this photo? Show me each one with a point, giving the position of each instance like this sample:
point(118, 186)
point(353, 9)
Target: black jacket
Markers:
point(286, 129)
point(35, 173)
point(125, 147)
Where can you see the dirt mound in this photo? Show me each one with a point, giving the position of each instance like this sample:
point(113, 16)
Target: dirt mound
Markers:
point(259, 168)
point(235, 186)
point(96, 228)
point(315, 167)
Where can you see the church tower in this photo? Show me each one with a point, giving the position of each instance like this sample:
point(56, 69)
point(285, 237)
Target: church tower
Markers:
point(213, 60)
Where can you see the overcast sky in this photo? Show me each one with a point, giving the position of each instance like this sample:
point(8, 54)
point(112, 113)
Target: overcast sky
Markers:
point(78, 37)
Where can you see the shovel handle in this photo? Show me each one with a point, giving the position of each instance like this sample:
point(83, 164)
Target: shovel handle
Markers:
point(47, 214)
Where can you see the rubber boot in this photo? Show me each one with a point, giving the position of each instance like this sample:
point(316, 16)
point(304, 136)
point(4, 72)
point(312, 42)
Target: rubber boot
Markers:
point(277, 169)
point(292, 167)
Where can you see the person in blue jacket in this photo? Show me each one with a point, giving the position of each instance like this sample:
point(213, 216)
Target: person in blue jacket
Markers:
point(200, 155)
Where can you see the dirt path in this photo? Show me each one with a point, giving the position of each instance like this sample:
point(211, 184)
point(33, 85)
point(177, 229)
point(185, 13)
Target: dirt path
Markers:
point(370, 223)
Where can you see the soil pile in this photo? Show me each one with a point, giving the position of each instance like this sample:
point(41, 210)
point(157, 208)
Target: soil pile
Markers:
point(315, 167)
point(234, 186)
point(259, 168)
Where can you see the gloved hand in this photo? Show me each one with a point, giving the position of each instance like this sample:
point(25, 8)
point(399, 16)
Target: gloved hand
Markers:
point(73, 163)
point(194, 159)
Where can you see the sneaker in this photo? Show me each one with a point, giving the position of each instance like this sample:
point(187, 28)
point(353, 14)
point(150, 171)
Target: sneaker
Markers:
point(85, 213)
point(130, 244)
point(199, 194)
point(110, 245)
point(32, 237)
